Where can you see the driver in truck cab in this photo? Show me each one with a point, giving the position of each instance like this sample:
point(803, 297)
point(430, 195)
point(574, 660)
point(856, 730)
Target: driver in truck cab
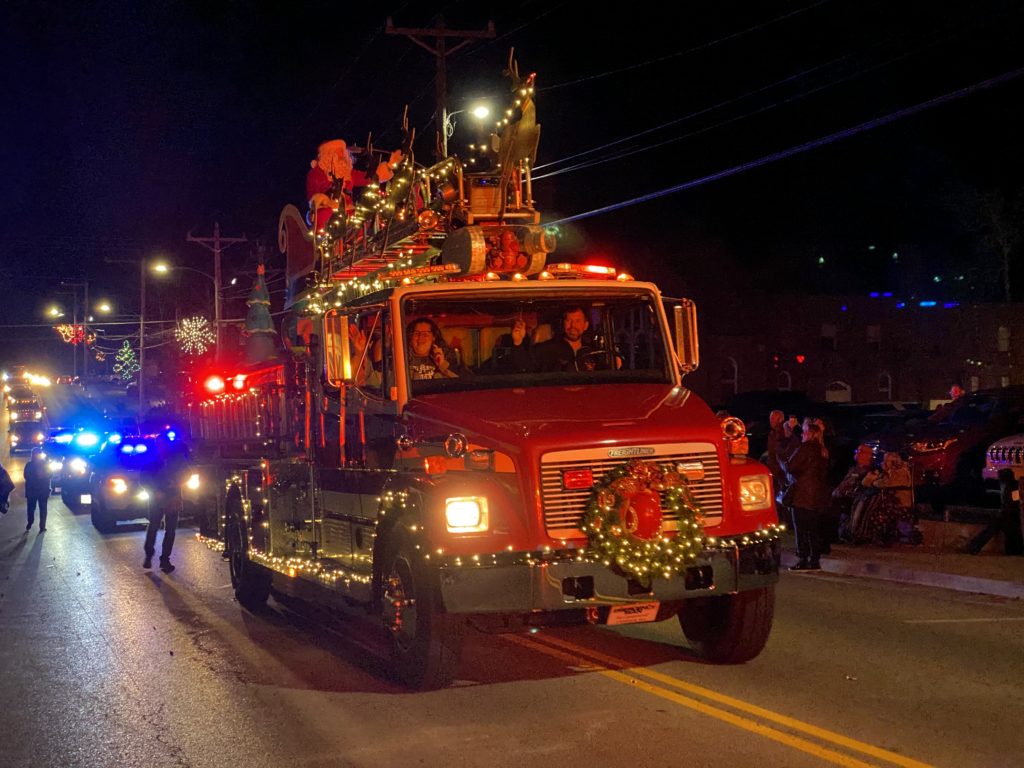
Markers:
point(573, 349)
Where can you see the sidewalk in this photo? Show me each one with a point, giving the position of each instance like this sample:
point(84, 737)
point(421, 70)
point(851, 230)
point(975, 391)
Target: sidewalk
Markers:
point(928, 565)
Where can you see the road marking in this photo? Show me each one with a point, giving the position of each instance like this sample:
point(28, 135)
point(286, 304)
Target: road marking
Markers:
point(796, 742)
point(963, 621)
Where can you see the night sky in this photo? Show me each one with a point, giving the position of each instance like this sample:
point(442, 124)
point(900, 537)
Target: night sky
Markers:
point(127, 125)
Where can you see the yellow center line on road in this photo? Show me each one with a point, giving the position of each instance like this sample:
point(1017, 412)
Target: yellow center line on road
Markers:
point(573, 653)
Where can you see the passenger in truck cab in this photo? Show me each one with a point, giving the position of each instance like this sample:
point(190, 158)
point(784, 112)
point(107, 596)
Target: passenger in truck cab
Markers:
point(368, 353)
point(430, 357)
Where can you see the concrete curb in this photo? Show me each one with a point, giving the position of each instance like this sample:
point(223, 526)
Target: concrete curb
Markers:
point(908, 576)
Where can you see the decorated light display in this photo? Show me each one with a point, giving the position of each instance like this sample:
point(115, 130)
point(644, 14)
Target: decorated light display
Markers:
point(194, 335)
point(625, 516)
point(127, 364)
point(70, 334)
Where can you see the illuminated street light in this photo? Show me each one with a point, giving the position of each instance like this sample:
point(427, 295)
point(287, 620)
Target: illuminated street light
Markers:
point(161, 268)
point(104, 307)
point(480, 112)
point(54, 312)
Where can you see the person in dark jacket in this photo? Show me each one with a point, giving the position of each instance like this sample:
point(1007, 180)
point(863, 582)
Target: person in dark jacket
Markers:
point(6, 486)
point(37, 488)
point(163, 481)
point(808, 468)
point(512, 352)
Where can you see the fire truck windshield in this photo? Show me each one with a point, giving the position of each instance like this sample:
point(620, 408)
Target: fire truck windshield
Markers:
point(483, 342)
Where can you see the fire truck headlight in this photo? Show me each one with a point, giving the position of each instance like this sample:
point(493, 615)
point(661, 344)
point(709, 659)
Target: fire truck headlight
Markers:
point(78, 466)
point(142, 495)
point(118, 485)
point(754, 493)
point(55, 466)
point(466, 514)
point(193, 482)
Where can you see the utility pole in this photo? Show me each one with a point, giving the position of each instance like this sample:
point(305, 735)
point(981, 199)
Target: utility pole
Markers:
point(440, 52)
point(84, 285)
point(214, 244)
point(142, 339)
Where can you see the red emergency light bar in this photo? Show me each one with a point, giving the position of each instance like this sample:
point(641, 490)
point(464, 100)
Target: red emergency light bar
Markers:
point(214, 384)
point(566, 270)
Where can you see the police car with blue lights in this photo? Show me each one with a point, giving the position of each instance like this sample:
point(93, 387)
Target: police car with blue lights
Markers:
point(75, 450)
point(123, 473)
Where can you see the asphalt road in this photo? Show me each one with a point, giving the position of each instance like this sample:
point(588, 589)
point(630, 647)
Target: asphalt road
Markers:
point(105, 664)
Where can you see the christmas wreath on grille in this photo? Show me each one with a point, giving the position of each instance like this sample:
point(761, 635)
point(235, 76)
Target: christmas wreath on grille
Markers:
point(625, 516)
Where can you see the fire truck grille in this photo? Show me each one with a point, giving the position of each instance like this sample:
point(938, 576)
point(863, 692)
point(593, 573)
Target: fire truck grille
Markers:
point(563, 509)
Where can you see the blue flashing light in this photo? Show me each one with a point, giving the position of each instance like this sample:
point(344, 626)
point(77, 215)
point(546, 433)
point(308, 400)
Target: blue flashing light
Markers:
point(843, 308)
point(951, 304)
point(900, 304)
point(874, 294)
point(141, 448)
point(114, 438)
point(128, 448)
point(887, 295)
point(87, 439)
point(172, 436)
point(64, 439)
point(927, 303)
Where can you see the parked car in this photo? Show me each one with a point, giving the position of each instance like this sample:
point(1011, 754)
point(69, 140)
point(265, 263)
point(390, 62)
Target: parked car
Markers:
point(77, 467)
point(1004, 454)
point(947, 450)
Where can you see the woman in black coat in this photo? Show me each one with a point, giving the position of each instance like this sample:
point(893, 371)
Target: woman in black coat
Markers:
point(808, 467)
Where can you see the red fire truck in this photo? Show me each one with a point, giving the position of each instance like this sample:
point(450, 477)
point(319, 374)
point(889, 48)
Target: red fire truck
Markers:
point(462, 434)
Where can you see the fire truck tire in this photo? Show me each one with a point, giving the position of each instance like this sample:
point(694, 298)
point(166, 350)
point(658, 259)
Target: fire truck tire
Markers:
point(250, 581)
point(426, 643)
point(731, 629)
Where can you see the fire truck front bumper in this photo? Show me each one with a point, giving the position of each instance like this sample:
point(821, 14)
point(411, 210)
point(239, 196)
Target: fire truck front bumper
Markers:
point(523, 583)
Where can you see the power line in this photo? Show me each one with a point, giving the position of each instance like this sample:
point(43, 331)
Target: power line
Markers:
point(783, 154)
point(694, 49)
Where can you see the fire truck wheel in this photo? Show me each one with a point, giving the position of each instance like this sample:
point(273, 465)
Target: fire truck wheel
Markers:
point(730, 629)
point(250, 581)
point(425, 642)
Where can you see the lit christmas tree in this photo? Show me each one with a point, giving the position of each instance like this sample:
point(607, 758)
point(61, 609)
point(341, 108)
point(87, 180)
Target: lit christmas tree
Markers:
point(194, 335)
point(259, 326)
point(127, 364)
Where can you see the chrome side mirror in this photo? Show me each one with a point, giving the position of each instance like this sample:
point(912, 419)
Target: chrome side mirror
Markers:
point(687, 342)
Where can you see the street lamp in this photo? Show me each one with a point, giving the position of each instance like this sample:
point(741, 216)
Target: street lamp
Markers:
point(104, 307)
point(479, 111)
point(54, 311)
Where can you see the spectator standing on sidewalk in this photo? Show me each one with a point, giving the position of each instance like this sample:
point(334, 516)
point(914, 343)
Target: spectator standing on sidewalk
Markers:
point(776, 440)
point(808, 468)
point(37, 488)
